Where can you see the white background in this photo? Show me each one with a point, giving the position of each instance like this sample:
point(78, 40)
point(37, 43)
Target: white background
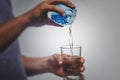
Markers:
point(96, 29)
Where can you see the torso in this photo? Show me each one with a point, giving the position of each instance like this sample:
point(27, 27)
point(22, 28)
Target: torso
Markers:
point(11, 65)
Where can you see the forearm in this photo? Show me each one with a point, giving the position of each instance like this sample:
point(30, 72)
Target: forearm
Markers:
point(35, 66)
point(10, 30)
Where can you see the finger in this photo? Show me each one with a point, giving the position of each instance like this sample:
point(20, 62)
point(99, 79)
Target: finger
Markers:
point(82, 60)
point(65, 55)
point(66, 2)
point(60, 59)
point(82, 69)
point(56, 9)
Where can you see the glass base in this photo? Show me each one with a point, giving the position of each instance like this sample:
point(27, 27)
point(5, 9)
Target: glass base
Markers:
point(72, 78)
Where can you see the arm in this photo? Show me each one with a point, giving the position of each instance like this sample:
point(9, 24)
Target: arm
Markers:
point(10, 30)
point(50, 64)
point(35, 66)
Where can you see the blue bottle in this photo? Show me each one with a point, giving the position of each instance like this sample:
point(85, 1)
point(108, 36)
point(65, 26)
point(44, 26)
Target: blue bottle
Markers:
point(67, 19)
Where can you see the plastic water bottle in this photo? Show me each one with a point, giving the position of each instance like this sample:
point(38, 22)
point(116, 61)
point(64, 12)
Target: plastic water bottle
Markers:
point(67, 19)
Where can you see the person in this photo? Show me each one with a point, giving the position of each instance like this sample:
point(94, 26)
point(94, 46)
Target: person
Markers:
point(15, 66)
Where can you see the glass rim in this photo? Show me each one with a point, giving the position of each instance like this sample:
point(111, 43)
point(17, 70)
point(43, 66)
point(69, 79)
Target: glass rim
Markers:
point(68, 46)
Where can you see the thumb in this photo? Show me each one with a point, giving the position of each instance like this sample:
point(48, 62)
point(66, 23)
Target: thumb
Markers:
point(60, 59)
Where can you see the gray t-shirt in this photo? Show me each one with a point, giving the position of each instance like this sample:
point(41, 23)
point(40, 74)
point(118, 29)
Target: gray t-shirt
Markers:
point(11, 65)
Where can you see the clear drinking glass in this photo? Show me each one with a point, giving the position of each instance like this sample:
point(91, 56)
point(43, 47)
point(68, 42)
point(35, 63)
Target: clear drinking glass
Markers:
point(71, 61)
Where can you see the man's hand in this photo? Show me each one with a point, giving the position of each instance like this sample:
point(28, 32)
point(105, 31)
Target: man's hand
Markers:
point(38, 15)
point(50, 64)
point(55, 64)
